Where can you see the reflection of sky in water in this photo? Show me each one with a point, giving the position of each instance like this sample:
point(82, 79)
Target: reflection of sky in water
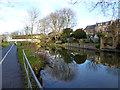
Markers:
point(93, 72)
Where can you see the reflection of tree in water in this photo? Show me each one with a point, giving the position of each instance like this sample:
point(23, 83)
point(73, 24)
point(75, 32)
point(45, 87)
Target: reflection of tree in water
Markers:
point(79, 59)
point(52, 51)
point(61, 70)
point(93, 66)
point(112, 61)
point(113, 71)
point(66, 55)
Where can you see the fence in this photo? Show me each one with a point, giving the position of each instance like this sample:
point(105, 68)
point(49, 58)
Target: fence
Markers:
point(77, 45)
point(29, 69)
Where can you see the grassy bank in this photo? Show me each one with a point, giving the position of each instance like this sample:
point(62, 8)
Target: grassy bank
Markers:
point(3, 45)
point(35, 60)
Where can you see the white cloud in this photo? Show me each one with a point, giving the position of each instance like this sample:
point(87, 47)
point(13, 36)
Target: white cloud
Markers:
point(10, 20)
point(14, 18)
point(10, 26)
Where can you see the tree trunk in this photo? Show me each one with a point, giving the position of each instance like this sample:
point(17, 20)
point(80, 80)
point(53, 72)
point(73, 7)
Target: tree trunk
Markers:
point(32, 31)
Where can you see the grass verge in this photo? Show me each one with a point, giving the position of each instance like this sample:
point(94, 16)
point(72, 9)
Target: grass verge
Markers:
point(35, 60)
point(3, 45)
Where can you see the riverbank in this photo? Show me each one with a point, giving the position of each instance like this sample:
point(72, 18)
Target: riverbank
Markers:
point(91, 47)
point(94, 47)
point(35, 60)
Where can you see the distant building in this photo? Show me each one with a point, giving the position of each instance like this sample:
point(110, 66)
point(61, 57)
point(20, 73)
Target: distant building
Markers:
point(99, 27)
point(90, 29)
point(103, 27)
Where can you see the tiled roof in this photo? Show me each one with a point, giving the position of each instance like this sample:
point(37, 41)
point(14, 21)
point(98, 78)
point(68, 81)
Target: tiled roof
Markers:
point(103, 23)
point(90, 27)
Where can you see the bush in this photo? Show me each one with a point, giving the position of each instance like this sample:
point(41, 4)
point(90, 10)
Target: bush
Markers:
point(65, 34)
point(79, 34)
point(97, 46)
point(64, 37)
point(30, 43)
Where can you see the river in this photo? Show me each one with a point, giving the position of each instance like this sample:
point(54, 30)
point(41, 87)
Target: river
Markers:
point(80, 68)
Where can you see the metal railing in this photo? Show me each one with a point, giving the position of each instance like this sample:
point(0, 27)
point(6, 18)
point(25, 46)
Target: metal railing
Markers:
point(28, 69)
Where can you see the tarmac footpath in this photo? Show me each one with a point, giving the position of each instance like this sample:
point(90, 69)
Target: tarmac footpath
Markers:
point(12, 76)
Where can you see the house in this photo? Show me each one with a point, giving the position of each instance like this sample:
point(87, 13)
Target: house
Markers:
point(103, 27)
point(118, 22)
point(90, 29)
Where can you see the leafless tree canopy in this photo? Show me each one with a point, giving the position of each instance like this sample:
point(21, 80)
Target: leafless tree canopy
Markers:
point(33, 14)
point(58, 20)
point(7, 3)
point(27, 30)
point(43, 25)
point(110, 7)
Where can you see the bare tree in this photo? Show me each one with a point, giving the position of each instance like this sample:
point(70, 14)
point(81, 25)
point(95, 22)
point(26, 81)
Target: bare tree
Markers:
point(27, 30)
point(60, 19)
point(7, 3)
point(43, 25)
point(5, 36)
point(115, 29)
point(69, 16)
point(14, 34)
point(104, 6)
point(33, 14)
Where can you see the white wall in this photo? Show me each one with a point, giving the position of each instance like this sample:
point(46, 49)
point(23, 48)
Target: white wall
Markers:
point(34, 40)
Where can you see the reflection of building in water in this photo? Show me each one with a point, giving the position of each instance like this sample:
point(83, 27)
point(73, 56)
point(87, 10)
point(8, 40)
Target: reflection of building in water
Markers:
point(106, 60)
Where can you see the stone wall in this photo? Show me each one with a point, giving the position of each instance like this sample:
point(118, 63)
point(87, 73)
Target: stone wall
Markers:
point(106, 43)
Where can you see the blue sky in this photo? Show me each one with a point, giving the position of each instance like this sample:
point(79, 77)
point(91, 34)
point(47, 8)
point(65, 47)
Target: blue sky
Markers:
point(14, 18)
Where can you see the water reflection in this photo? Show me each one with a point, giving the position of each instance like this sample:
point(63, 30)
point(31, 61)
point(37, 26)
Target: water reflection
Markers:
point(61, 66)
point(111, 61)
point(80, 59)
point(105, 60)
point(67, 65)
point(66, 55)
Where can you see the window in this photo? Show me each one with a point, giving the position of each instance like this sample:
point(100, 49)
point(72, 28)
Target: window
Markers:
point(99, 30)
point(105, 29)
point(99, 24)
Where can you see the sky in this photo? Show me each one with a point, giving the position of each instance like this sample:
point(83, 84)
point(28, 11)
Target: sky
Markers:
point(13, 14)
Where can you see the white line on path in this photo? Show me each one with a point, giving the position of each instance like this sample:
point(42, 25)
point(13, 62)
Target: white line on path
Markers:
point(6, 54)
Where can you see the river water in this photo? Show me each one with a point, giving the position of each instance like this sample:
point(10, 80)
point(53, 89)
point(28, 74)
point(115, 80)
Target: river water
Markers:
point(73, 68)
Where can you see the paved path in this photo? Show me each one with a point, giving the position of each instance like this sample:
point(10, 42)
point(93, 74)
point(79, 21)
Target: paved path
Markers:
point(12, 76)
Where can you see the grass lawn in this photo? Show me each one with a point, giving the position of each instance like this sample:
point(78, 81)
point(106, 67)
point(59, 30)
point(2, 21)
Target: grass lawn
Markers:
point(3, 45)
